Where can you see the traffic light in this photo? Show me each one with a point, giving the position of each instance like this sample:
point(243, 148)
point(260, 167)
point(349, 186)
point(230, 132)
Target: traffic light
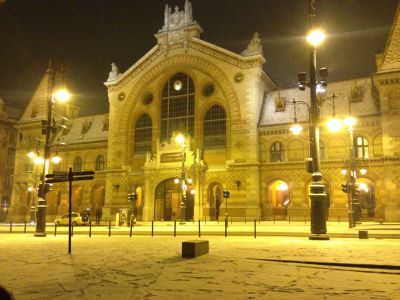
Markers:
point(44, 127)
point(345, 188)
point(132, 197)
point(47, 188)
point(226, 194)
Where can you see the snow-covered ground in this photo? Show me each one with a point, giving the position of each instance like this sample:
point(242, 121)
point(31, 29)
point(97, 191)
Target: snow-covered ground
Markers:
point(145, 267)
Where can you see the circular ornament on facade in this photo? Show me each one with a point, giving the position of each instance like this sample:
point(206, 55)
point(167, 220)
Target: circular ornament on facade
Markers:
point(148, 98)
point(238, 77)
point(121, 96)
point(208, 90)
point(178, 85)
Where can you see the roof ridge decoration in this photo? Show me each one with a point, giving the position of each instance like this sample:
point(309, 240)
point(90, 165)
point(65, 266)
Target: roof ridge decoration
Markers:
point(254, 47)
point(178, 27)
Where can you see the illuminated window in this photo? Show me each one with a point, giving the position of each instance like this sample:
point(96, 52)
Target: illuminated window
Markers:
point(215, 128)
point(100, 163)
point(361, 147)
point(276, 152)
point(143, 133)
point(177, 106)
point(77, 166)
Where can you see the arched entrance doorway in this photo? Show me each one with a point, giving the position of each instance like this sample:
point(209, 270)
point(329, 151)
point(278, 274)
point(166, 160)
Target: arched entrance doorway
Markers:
point(168, 196)
point(76, 198)
point(279, 197)
point(97, 202)
point(366, 198)
point(53, 200)
point(214, 200)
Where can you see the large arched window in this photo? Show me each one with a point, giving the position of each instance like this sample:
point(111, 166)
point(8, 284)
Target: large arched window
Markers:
point(100, 163)
point(276, 152)
point(77, 166)
point(143, 134)
point(177, 106)
point(215, 128)
point(361, 147)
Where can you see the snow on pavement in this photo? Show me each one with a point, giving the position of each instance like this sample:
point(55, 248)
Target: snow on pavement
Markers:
point(143, 267)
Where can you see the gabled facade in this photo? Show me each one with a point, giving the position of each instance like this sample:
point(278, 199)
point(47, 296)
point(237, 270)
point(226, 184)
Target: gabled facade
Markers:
point(236, 124)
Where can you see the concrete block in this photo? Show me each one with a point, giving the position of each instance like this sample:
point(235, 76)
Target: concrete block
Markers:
point(194, 248)
point(363, 234)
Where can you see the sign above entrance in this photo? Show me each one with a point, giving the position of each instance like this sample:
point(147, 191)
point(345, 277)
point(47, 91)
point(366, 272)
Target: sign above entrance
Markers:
point(171, 157)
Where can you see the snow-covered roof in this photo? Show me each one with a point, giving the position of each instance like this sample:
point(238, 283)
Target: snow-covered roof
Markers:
point(88, 129)
point(357, 92)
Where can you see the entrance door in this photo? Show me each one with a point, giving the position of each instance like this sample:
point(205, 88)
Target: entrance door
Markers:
point(168, 199)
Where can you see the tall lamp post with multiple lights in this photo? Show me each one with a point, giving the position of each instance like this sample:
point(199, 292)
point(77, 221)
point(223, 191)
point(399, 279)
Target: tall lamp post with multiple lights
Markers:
point(61, 95)
point(318, 195)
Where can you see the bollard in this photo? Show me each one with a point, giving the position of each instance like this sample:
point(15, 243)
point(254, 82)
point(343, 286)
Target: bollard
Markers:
point(55, 229)
point(109, 228)
point(130, 230)
point(90, 228)
point(152, 228)
point(10, 226)
point(289, 219)
point(226, 227)
point(274, 219)
point(25, 227)
point(255, 228)
point(175, 228)
point(199, 229)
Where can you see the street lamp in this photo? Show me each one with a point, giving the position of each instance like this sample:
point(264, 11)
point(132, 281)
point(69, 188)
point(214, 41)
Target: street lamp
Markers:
point(317, 188)
point(181, 140)
point(61, 96)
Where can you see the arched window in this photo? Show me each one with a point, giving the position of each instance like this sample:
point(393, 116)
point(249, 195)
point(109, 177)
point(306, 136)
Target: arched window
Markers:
point(77, 166)
point(100, 163)
point(215, 128)
point(143, 134)
point(276, 152)
point(361, 147)
point(177, 106)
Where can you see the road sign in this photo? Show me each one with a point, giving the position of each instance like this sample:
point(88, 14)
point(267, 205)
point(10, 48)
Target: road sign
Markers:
point(67, 176)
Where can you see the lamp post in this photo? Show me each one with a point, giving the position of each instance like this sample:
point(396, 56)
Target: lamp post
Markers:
point(181, 140)
point(317, 188)
point(61, 95)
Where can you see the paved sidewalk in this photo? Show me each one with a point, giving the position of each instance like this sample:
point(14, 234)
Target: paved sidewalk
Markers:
point(263, 228)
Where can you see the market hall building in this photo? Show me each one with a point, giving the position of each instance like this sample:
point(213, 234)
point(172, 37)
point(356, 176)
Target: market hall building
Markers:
point(236, 124)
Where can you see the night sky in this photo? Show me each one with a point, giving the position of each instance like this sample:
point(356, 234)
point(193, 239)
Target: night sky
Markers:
point(88, 35)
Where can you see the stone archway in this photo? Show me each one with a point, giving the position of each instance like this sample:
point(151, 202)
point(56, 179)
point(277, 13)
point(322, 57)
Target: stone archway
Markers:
point(77, 195)
point(168, 196)
point(278, 195)
point(367, 199)
point(97, 200)
point(214, 200)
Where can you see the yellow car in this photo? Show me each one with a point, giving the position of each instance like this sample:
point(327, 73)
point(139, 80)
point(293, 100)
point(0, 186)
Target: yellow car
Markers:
point(76, 219)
